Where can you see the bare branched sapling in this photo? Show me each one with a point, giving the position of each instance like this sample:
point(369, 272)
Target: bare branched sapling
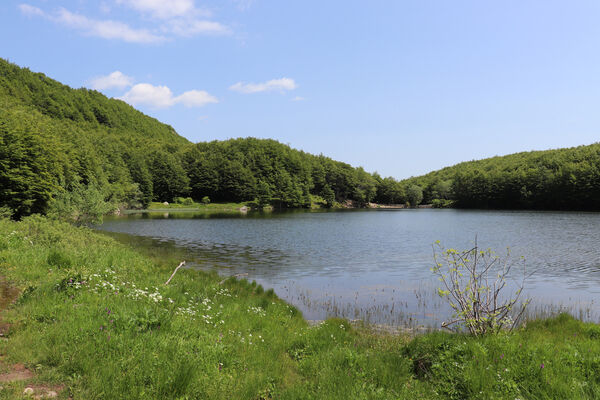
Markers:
point(474, 283)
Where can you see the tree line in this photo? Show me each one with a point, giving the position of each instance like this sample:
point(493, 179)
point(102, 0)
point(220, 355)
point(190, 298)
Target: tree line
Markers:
point(64, 149)
point(561, 179)
point(75, 152)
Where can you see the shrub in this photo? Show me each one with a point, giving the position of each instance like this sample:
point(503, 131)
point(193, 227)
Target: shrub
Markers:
point(6, 212)
point(473, 282)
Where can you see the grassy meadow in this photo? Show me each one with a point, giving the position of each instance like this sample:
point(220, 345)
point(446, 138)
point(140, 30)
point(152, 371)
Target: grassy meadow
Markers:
point(95, 318)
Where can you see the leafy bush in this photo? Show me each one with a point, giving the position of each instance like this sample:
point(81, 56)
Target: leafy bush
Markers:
point(5, 212)
point(81, 205)
point(441, 203)
point(473, 283)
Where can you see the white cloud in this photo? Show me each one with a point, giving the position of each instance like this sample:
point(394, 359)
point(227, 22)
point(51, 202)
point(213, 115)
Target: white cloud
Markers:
point(177, 18)
point(105, 29)
point(180, 17)
point(147, 94)
point(298, 98)
point(191, 27)
point(281, 85)
point(31, 10)
point(164, 9)
point(195, 98)
point(162, 97)
point(115, 79)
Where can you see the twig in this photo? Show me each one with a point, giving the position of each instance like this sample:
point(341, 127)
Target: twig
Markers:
point(174, 272)
point(232, 276)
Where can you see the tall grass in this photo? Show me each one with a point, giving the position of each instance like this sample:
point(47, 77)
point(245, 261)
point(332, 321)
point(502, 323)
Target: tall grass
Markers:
point(96, 317)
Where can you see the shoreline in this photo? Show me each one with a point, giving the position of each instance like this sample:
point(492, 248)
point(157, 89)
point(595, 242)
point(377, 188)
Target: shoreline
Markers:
point(97, 307)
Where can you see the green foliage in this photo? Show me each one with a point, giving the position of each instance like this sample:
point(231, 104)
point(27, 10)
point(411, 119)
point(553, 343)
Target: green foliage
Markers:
point(263, 194)
point(272, 173)
point(474, 284)
point(563, 179)
point(205, 200)
point(80, 205)
point(27, 160)
point(414, 195)
point(58, 259)
point(169, 179)
point(6, 212)
point(442, 203)
point(328, 196)
point(53, 138)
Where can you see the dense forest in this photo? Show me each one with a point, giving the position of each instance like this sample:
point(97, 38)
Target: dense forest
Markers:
point(74, 152)
point(70, 152)
point(562, 179)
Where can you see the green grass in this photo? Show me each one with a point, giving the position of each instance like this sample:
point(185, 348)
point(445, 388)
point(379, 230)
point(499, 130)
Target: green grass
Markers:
point(155, 206)
point(95, 316)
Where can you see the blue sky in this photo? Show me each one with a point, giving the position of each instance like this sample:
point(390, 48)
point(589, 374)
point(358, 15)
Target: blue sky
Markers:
point(398, 87)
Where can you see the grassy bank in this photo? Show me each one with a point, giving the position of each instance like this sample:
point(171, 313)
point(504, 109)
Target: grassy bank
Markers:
point(156, 206)
point(95, 318)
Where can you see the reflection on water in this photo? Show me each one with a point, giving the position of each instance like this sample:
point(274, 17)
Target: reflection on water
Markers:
point(375, 264)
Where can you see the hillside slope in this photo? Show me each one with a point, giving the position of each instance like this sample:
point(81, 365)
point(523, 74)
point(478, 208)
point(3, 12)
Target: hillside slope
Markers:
point(63, 149)
point(561, 179)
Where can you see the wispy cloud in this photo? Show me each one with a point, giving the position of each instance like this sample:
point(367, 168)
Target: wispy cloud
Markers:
point(281, 85)
point(298, 98)
point(169, 19)
point(243, 5)
point(162, 97)
point(178, 17)
point(114, 80)
point(166, 9)
point(31, 10)
point(106, 29)
point(186, 27)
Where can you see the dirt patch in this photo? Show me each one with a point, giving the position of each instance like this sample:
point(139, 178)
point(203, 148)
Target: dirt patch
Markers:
point(18, 372)
point(8, 295)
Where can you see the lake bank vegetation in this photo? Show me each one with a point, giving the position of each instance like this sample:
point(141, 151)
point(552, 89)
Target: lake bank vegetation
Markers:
point(105, 325)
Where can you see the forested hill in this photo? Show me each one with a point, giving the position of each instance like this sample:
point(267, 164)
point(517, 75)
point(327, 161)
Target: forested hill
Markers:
point(562, 179)
point(68, 151)
point(74, 153)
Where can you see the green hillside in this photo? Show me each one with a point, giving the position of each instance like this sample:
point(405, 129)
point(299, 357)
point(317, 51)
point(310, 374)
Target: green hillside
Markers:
point(55, 140)
point(563, 179)
point(74, 152)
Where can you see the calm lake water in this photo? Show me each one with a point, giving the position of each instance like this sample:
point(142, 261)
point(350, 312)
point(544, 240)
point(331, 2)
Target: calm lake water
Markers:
point(375, 264)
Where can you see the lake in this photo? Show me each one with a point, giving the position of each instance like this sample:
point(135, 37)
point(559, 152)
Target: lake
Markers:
point(375, 265)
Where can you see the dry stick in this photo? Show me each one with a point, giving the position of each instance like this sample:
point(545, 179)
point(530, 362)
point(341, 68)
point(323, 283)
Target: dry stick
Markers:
point(174, 272)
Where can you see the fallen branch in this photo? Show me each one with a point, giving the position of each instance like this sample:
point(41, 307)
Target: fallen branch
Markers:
point(174, 272)
point(232, 276)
